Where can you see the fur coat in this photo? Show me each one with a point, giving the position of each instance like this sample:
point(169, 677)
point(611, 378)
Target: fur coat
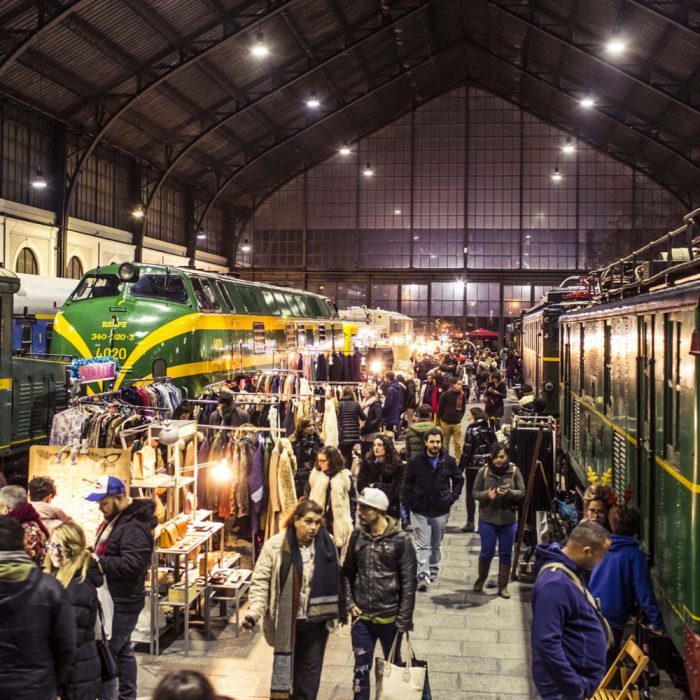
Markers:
point(337, 509)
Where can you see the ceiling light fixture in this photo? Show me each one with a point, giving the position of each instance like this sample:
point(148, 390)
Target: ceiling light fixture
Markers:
point(245, 248)
point(200, 234)
point(568, 147)
point(616, 46)
point(39, 181)
point(397, 211)
point(587, 102)
point(344, 150)
point(368, 172)
point(556, 175)
point(259, 49)
point(313, 100)
point(138, 212)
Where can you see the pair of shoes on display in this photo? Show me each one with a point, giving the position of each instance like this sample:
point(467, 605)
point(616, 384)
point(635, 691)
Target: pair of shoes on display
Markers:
point(469, 527)
point(423, 584)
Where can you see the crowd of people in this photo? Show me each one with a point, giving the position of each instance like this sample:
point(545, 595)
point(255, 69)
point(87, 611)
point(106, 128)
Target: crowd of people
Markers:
point(363, 540)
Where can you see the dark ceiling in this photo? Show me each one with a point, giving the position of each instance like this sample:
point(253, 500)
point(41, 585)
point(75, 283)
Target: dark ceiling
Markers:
point(173, 81)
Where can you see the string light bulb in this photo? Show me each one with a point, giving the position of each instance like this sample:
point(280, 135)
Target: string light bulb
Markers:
point(556, 175)
point(568, 147)
point(259, 48)
point(138, 212)
point(368, 171)
point(344, 150)
point(245, 248)
point(200, 234)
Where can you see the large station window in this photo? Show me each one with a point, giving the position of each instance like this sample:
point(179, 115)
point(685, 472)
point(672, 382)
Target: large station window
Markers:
point(74, 269)
point(26, 262)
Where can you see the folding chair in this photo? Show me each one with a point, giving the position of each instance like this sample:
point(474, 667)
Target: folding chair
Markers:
point(628, 676)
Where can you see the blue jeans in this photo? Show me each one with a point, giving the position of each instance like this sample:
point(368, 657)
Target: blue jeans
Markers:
point(428, 533)
point(124, 687)
point(364, 638)
point(504, 535)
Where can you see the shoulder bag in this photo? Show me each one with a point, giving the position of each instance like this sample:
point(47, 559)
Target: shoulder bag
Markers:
point(401, 682)
point(109, 667)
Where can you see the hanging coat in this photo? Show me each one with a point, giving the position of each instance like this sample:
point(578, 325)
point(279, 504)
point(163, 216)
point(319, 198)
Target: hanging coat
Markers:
point(281, 486)
point(329, 432)
point(321, 368)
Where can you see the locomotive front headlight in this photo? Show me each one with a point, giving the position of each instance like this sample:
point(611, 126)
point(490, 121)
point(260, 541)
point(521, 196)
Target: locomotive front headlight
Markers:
point(128, 272)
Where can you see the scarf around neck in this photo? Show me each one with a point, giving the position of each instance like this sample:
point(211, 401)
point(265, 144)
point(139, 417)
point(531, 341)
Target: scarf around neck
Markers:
point(325, 603)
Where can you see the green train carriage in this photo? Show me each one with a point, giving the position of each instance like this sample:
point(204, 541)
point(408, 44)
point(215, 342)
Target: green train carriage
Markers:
point(193, 326)
point(32, 390)
point(629, 400)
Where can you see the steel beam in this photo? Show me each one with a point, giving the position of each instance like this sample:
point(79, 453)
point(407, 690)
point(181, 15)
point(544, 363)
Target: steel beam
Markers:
point(48, 16)
point(251, 105)
point(595, 58)
point(400, 75)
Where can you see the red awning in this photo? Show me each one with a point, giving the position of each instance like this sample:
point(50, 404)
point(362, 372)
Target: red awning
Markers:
point(483, 334)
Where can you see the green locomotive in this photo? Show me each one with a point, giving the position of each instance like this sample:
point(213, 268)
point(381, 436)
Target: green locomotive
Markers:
point(194, 326)
point(32, 389)
point(629, 400)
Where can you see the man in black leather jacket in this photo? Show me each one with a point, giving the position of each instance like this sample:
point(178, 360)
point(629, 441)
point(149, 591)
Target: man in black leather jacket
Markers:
point(124, 548)
point(432, 483)
point(379, 573)
point(37, 625)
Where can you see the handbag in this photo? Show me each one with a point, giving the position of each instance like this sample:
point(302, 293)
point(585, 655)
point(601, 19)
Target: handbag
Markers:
point(169, 535)
point(406, 682)
point(109, 666)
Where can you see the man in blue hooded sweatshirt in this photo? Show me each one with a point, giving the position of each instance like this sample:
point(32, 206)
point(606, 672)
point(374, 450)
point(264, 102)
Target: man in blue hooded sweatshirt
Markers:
point(569, 633)
point(622, 582)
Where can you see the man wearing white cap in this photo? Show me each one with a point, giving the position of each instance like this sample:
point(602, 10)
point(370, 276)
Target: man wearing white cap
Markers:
point(124, 546)
point(380, 582)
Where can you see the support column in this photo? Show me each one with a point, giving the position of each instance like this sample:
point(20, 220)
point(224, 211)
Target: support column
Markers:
point(137, 228)
point(59, 187)
point(191, 227)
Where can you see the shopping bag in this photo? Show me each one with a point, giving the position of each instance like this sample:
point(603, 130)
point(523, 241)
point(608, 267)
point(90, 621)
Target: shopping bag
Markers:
point(405, 682)
point(107, 607)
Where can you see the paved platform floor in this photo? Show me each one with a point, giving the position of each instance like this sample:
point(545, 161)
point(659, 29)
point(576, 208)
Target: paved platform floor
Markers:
point(477, 645)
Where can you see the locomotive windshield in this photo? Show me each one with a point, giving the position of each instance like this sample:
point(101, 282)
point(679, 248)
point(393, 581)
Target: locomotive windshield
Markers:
point(97, 286)
point(166, 287)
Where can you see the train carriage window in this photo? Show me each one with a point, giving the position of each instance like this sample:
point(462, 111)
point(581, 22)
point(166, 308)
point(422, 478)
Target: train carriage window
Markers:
point(204, 293)
point(233, 292)
point(304, 306)
point(259, 341)
point(269, 298)
point(167, 287)
point(290, 333)
point(98, 286)
point(224, 295)
point(282, 304)
point(293, 305)
point(253, 299)
point(26, 338)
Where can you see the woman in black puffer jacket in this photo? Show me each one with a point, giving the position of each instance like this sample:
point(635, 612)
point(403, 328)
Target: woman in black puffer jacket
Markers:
point(383, 469)
point(350, 414)
point(73, 566)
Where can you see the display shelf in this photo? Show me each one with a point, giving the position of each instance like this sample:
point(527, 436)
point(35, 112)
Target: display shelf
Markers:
point(232, 591)
point(162, 481)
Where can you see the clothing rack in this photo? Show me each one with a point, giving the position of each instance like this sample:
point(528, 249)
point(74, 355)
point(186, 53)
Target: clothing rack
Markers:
point(241, 428)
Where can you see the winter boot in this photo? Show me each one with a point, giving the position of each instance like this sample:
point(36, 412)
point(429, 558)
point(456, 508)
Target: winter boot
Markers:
point(483, 574)
point(503, 577)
